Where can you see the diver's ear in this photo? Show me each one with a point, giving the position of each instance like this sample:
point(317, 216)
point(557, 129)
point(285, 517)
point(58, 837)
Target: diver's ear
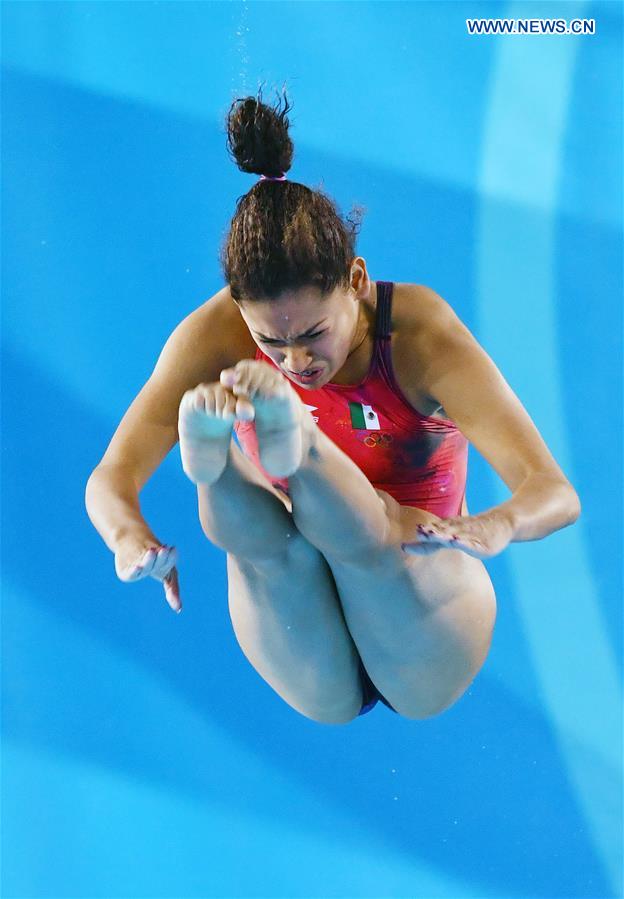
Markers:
point(358, 274)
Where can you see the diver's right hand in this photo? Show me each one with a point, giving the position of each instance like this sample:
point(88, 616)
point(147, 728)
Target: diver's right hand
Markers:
point(139, 557)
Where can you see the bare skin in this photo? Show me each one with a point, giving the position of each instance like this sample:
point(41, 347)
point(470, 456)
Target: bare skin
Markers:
point(319, 581)
point(315, 585)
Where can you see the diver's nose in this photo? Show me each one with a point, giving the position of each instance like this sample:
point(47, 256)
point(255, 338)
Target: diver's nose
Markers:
point(297, 361)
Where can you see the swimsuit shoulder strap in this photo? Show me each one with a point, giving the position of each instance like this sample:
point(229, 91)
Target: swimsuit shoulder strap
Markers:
point(384, 310)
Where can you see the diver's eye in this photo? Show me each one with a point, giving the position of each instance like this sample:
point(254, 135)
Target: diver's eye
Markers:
point(278, 342)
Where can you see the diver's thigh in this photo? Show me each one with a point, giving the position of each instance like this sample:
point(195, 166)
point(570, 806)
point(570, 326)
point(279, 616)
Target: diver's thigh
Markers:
point(422, 625)
point(289, 624)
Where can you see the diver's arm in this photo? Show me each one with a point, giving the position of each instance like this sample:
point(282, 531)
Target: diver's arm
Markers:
point(539, 506)
point(112, 503)
point(193, 354)
point(457, 373)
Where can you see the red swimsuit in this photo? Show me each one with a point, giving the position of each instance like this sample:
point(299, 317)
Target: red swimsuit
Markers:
point(419, 460)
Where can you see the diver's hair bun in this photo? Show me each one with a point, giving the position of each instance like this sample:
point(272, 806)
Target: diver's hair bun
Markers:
point(257, 135)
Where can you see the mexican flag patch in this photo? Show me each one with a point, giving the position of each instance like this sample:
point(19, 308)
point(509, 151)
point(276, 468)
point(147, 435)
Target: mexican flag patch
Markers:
point(364, 417)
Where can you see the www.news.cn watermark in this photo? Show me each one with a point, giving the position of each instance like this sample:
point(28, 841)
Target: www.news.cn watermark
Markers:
point(531, 26)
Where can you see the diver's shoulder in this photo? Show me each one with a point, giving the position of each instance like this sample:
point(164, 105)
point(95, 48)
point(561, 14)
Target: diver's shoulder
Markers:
point(214, 306)
point(417, 308)
point(220, 317)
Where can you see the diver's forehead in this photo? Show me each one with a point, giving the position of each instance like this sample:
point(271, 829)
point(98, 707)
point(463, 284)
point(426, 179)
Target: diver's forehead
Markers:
point(285, 318)
point(284, 328)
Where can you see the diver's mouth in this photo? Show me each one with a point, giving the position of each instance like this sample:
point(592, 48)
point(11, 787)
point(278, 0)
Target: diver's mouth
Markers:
point(307, 376)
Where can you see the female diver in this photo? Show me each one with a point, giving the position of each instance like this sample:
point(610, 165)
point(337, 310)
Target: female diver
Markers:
point(355, 571)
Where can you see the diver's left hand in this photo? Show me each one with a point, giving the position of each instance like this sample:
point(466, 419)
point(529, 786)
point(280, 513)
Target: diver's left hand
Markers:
point(481, 536)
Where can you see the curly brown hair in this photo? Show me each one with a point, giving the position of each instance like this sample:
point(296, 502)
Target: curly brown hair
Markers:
point(283, 236)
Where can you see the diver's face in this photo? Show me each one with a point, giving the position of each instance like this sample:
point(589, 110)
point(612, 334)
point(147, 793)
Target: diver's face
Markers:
point(307, 337)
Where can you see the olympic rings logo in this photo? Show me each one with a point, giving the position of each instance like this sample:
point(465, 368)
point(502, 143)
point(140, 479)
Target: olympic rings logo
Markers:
point(378, 439)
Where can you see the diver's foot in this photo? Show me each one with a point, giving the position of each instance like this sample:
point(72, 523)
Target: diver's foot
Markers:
point(205, 420)
point(280, 414)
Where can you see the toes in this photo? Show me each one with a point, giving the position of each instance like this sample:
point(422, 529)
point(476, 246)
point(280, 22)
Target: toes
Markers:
point(249, 376)
point(244, 409)
point(239, 379)
point(194, 400)
point(209, 398)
